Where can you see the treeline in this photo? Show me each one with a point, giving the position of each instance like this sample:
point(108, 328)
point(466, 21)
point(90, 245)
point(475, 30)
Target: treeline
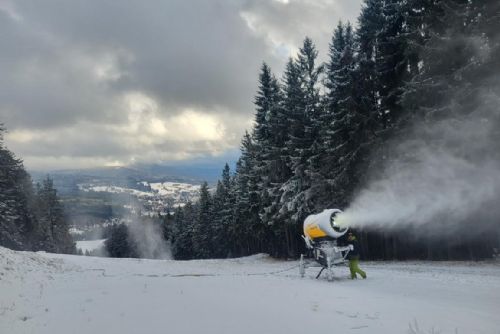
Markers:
point(322, 128)
point(31, 216)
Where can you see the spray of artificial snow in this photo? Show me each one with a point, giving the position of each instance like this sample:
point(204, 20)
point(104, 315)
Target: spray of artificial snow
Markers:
point(442, 176)
point(447, 174)
point(148, 238)
point(146, 234)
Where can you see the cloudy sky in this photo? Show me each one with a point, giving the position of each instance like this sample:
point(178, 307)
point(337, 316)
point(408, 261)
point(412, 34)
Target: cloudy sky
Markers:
point(105, 82)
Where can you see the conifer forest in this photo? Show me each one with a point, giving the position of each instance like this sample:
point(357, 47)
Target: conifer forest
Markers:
point(321, 132)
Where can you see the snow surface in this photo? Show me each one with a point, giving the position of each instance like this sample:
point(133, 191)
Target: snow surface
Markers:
point(50, 293)
point(174, 189)
point(155, 201)
point(114, 190)
point(90, 245)
point(177, 191)
point(75, 231)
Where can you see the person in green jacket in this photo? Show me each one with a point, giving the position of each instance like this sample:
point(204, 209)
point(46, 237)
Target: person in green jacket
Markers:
point(353, 257)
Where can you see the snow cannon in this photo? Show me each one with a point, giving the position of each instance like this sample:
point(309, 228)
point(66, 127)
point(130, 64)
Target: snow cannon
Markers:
point(321, 232)
point(324, 225)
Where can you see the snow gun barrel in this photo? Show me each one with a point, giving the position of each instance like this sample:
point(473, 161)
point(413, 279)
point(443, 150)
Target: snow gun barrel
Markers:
point(328, 223)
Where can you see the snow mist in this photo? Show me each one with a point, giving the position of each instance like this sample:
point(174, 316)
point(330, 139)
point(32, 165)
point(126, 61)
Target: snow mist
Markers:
point(443, 177)
point(434, 187)
point(147, 236)
point(146, 233)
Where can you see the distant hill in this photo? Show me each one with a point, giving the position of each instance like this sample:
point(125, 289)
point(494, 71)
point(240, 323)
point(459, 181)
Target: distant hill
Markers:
point(97, 195)
point(66, 181)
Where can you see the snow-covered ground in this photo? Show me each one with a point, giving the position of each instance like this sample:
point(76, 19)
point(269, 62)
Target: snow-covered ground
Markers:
point(155, 198)
point(90, 245)
point(114, 190)
point(47, 293)
point(178, 192)
point(175, 189)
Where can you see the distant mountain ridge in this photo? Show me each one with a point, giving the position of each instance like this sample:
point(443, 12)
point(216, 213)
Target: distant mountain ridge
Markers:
point(140, 172)
point(66, 181)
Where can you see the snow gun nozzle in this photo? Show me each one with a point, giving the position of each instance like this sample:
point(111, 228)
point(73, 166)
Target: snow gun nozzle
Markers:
point(340, 221)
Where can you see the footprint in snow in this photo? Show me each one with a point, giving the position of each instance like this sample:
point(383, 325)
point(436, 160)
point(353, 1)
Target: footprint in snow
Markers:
point(372, 317)
point(359, 327)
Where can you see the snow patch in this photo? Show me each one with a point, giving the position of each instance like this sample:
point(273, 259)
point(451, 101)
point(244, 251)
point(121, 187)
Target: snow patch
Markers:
point(90, 245)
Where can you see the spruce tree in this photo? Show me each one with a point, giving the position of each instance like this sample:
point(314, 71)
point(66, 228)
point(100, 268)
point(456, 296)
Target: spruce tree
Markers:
point(251, 232)
point(120, 244)
point(291, 117)
point(270, 136)
point(302, 107)
point(16, 220)
point(238, 230)
point(304, 111)
point(340, 136)
point(52, 225)
point(203, 225)
point(391, 63)
point(182, 232)
point(223, 203)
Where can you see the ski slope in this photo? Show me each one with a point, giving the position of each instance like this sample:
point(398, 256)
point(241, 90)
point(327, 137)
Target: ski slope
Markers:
point(49, 293)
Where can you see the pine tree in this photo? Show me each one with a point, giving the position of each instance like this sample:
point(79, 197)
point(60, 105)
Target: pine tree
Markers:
point(167, 225)
point(270, 136)
point(53, 229)
point(303, 109)
point(452, 69)
point(239, 229)
point(203, 225)
point(304, 113)
point(391, 63)
point(16, 221)
point(182, 232)
point(339, 141)
point(370, 23)
point(223, 203)
point(120, 244)
point(421, 19)
point(292, 111)
point(250, 232)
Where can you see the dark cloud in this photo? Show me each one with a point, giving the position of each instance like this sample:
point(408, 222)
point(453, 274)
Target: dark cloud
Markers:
point(287, 22)
point(71, 70)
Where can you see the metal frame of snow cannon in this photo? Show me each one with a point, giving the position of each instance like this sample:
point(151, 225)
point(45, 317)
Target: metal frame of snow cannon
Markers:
point(320, 235)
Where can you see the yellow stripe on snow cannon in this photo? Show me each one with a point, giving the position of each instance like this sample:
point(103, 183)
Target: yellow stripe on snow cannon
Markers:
point(323, 224)
point(313, 231)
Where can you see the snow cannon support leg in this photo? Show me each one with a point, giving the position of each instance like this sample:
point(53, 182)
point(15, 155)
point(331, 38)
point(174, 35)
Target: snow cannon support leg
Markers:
point(302, 266)
point(329, 271)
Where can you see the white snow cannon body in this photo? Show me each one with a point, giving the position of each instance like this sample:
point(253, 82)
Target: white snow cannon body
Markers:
point(320, 235)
